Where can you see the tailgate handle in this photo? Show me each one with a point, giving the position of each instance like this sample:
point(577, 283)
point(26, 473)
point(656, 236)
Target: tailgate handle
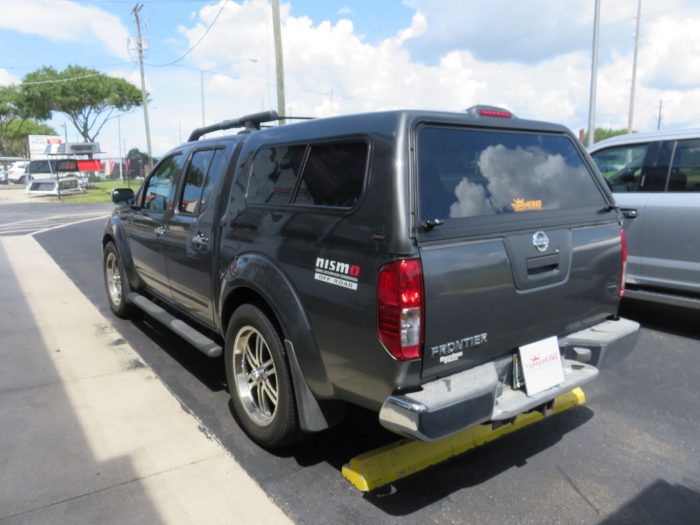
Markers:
point(539, 265)
point(629, 213)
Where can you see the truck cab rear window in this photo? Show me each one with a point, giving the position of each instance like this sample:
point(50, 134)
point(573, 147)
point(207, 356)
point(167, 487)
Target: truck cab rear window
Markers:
point(469, 173)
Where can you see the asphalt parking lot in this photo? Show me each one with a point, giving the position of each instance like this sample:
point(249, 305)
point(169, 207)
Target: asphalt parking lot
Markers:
point(630, 455)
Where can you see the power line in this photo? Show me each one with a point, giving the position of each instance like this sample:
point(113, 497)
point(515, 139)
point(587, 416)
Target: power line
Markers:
point(206, 31)
point(60, 80)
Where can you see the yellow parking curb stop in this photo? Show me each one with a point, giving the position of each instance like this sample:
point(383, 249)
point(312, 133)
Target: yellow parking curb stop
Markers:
point(383, 465)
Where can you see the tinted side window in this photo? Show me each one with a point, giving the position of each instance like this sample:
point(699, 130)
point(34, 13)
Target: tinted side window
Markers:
point(333, 175)
point(194, 180)
point(467, 173)
point(216, 171)
point(622, 166)
point(160, 186)
point(41, 166)
point(685, 170)
point(274, 174)
point(656, 166)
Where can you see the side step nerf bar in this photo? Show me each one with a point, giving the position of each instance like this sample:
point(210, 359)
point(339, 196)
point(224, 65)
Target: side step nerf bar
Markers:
point(197, 339)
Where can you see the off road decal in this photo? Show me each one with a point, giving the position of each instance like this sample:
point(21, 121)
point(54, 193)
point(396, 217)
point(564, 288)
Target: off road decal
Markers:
point(337, 273)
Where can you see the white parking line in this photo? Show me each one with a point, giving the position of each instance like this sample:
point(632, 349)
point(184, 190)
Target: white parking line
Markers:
point(34, 226)
point(50, 228)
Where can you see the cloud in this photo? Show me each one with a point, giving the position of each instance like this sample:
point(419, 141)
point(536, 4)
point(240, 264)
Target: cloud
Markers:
point(526, 32)
point(7, 78)
point(672, 56)
point(63, 20)
point(346, 11)
point(330, 69)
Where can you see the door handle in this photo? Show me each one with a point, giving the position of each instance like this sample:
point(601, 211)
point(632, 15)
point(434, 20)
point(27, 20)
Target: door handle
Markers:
point(629, 213)
point(200, 240)
point(159, 230)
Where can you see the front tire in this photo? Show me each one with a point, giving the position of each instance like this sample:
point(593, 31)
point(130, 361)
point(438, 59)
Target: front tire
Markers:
point(258, 378)
point(115, 282)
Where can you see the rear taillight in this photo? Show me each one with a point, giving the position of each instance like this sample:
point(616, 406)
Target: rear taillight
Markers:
point(623, 242)
point(400, 308)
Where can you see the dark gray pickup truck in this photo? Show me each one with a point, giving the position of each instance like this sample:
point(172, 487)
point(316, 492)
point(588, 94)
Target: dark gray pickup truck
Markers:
point(442, 269)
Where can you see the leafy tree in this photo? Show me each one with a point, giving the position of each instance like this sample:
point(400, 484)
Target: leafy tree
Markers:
point(14, 111)
point(13, 137)
point(604, 133)
point(136, 162)
point(85, 96)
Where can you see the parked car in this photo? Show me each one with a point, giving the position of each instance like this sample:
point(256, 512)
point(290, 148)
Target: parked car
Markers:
point(45, 171)
point(655, 178)
point(53, 187)
point(442, 269)
point(16, 173)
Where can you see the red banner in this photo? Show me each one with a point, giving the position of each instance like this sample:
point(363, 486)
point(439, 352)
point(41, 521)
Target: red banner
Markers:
point(90, 165)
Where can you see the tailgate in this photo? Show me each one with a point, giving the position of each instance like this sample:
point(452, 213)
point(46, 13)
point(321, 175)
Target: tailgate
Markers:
point(485, 298)
point(517, 241)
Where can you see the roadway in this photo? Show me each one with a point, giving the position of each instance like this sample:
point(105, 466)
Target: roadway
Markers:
point(630, 455)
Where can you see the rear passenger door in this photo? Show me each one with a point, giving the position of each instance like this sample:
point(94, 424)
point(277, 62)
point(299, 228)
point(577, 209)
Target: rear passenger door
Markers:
point(191, 234)
point(672, 223)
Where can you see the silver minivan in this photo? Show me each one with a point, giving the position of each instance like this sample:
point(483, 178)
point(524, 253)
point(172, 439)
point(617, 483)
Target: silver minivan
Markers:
point(655, 178)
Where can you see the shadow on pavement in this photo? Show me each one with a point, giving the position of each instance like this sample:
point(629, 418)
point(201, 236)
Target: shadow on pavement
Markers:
point(210, 372)
point(660, 502)
point(477, 466)
point(664, 318)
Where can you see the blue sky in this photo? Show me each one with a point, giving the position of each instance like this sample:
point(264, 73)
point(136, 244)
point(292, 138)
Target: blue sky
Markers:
point(348, 56)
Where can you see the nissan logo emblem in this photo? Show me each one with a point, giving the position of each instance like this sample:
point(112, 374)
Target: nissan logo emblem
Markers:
point(540, 241)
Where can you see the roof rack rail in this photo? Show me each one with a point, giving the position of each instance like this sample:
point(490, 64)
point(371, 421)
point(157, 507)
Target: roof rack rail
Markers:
point(249, 122)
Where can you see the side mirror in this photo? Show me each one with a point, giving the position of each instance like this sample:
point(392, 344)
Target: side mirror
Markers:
point(123, 197)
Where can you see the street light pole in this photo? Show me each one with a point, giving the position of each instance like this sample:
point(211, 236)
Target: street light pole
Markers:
point(630, 119)
point(119, 124)
point(201, 79)
point(594, 75)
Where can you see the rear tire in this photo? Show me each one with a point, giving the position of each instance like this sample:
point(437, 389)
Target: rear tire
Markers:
point(115, 282)
point(258, 378)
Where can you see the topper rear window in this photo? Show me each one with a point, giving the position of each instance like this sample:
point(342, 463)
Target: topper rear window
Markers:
point(468, 173)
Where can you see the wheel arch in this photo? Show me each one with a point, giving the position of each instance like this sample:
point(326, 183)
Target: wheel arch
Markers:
point(114, 233)
point(279, 300)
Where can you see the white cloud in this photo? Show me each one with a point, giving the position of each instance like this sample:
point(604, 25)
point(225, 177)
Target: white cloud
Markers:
point(672, 57)
point(7, 78)
point(331, 69)
point(346, 11)
point(63, 20)
point(503, 30)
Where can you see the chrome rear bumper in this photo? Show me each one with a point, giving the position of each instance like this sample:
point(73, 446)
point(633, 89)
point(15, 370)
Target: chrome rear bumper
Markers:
point(480, 394)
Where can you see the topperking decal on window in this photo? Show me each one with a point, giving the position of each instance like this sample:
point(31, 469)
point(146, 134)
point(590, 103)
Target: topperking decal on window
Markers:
point(520, 204)
point(338, 273)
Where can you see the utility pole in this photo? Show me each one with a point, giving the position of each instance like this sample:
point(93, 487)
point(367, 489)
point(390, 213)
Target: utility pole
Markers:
point(279, 61)
point(144, 95)
point(634, 67)
point(594, 75)
point(661, 108)
point(201, 87)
